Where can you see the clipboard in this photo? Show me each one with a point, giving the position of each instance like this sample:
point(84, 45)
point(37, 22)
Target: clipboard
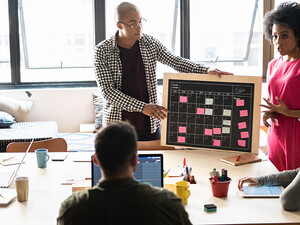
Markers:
point(241, 159)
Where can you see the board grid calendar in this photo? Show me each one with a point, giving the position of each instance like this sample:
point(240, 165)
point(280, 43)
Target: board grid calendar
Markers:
point(210, 115)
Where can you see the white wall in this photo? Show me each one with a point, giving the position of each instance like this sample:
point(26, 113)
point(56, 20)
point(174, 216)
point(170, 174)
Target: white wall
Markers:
point(68, 107)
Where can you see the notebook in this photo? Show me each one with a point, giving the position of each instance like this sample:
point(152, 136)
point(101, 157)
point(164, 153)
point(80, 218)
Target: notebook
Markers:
point(6, 177)
point(241, 159)
point(149, 170)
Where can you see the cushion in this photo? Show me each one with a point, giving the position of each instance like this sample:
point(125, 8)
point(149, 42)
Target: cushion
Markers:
point(17, 108)
point(6, 120)
point(98, 104)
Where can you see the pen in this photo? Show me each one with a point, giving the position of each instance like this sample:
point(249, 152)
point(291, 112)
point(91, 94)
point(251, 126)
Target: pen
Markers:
point(4, 160)
point(167, 172)
point(238, 158)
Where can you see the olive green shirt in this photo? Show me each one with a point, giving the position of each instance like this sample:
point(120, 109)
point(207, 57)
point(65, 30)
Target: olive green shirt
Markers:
point(123, 201)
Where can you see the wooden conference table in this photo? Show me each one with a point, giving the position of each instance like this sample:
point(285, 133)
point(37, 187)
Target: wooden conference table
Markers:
point(46, 192)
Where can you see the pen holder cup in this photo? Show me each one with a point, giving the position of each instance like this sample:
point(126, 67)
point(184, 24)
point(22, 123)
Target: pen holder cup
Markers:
point(220, 189)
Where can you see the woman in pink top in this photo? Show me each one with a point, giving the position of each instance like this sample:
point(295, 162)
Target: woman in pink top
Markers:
point(282, 27)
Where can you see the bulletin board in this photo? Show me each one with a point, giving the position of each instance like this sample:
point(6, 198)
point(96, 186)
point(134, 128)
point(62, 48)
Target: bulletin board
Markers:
point(211, 112)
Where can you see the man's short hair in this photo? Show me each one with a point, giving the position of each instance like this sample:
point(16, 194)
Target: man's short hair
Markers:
point(122, 9)
point(115, 144)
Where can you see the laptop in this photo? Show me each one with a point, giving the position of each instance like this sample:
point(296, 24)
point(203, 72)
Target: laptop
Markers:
point(6, 177)
point(149, 170)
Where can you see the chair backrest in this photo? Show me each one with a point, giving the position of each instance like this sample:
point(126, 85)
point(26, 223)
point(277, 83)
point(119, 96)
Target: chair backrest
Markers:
point(53, 145)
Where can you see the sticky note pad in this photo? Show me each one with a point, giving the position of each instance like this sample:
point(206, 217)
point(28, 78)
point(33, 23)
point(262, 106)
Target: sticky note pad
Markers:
point(242, 125)
point(208, 112)
point(245, 134)
point(200, 111)
point(209, 101)
point(226, 112)
point(208, 132)
point(217, 130)
point(183, 99)
point(240, 102)
point(227, 122)
point(181, 139)
point(243, 113)
point(242, 143)
point(216, 142)
point(182, 129)
point(226, 130)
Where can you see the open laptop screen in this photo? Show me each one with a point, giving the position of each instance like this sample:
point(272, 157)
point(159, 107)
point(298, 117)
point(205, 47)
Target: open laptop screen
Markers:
point(149, 170)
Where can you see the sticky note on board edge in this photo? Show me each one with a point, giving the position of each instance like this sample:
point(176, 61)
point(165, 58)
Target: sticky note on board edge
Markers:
point(240, 102)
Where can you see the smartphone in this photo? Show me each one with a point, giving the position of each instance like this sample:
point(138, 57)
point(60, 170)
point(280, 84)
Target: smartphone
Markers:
point(59, 156)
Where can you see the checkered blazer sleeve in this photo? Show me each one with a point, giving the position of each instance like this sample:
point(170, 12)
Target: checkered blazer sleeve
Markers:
point(178, 63)
point(109, 80)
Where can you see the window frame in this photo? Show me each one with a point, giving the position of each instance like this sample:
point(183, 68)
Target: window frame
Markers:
point(99, 30)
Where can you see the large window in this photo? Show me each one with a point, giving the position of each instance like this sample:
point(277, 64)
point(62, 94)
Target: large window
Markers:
point(51, 42)
point(227, 35)
point(57, 39)
point(4, 44)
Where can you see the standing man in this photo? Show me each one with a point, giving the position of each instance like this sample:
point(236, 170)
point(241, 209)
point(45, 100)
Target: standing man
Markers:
point(118, 198)
point(125, 67)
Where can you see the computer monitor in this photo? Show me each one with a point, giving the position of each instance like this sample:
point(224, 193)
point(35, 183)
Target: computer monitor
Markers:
point(149, 170)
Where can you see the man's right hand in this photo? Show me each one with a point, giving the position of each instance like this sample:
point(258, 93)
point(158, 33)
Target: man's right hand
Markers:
point(156, 111)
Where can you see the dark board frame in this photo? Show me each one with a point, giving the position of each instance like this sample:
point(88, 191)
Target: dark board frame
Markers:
point(209, 130)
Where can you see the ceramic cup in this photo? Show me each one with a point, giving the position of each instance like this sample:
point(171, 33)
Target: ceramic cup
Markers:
point(22, 188)
point(182, 191)
point(42, 157)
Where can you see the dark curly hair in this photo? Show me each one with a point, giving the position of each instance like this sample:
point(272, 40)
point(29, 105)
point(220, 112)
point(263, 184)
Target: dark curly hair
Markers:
point(287, 14)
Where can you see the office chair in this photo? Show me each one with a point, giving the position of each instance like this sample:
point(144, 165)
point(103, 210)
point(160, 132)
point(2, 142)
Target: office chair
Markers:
point(53, 145)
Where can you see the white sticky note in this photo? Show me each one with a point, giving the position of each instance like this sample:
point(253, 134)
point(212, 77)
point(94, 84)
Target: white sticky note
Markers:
point(227, 122)
point(226, 112)
point(208, 111)
point(209, 101)
point(226, 130)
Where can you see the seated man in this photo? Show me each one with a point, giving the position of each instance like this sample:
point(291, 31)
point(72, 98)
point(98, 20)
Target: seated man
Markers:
point(290, 197)
point(118, 198)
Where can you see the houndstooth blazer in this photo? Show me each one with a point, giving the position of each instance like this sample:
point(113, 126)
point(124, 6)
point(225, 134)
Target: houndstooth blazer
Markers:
point(108, 71)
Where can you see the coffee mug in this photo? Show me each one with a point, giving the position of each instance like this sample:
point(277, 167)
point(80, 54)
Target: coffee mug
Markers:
point(182, 191)
point(22, 188)
point(42, 157)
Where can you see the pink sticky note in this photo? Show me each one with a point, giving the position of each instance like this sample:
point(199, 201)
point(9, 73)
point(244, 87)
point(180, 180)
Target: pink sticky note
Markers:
point(240, 102)
point(216, 143)
point(245, 134)
point(242, 143)
point(181, 139)
point(217, 130)
point(183, 99)
point(182, 129)
point(200, 111)
point(242, 125)
point(243, 113)
point(208, 132)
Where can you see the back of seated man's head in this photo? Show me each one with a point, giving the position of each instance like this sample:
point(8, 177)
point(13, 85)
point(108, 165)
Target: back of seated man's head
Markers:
point(115, 145)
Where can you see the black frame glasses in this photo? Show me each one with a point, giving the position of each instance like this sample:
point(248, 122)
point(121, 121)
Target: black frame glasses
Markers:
point(135, 25)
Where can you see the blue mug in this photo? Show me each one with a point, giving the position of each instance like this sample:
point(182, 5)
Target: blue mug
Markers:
point(42, 157)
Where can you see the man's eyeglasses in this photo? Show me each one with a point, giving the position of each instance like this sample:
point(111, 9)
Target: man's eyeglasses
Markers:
point(136, 24)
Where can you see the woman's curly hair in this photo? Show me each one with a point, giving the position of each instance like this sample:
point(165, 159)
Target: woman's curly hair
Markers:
point(287, 14)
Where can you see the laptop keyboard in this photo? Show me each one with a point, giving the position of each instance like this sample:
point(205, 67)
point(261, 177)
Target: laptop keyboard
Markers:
point(5, 177)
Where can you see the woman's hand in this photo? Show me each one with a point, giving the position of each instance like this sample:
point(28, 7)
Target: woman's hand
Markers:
point(247, 180)
point(269, 115)
point(280, 108)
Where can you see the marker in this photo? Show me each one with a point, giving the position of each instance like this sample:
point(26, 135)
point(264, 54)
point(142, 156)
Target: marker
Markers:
point(184, 161)
point(238, 158)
